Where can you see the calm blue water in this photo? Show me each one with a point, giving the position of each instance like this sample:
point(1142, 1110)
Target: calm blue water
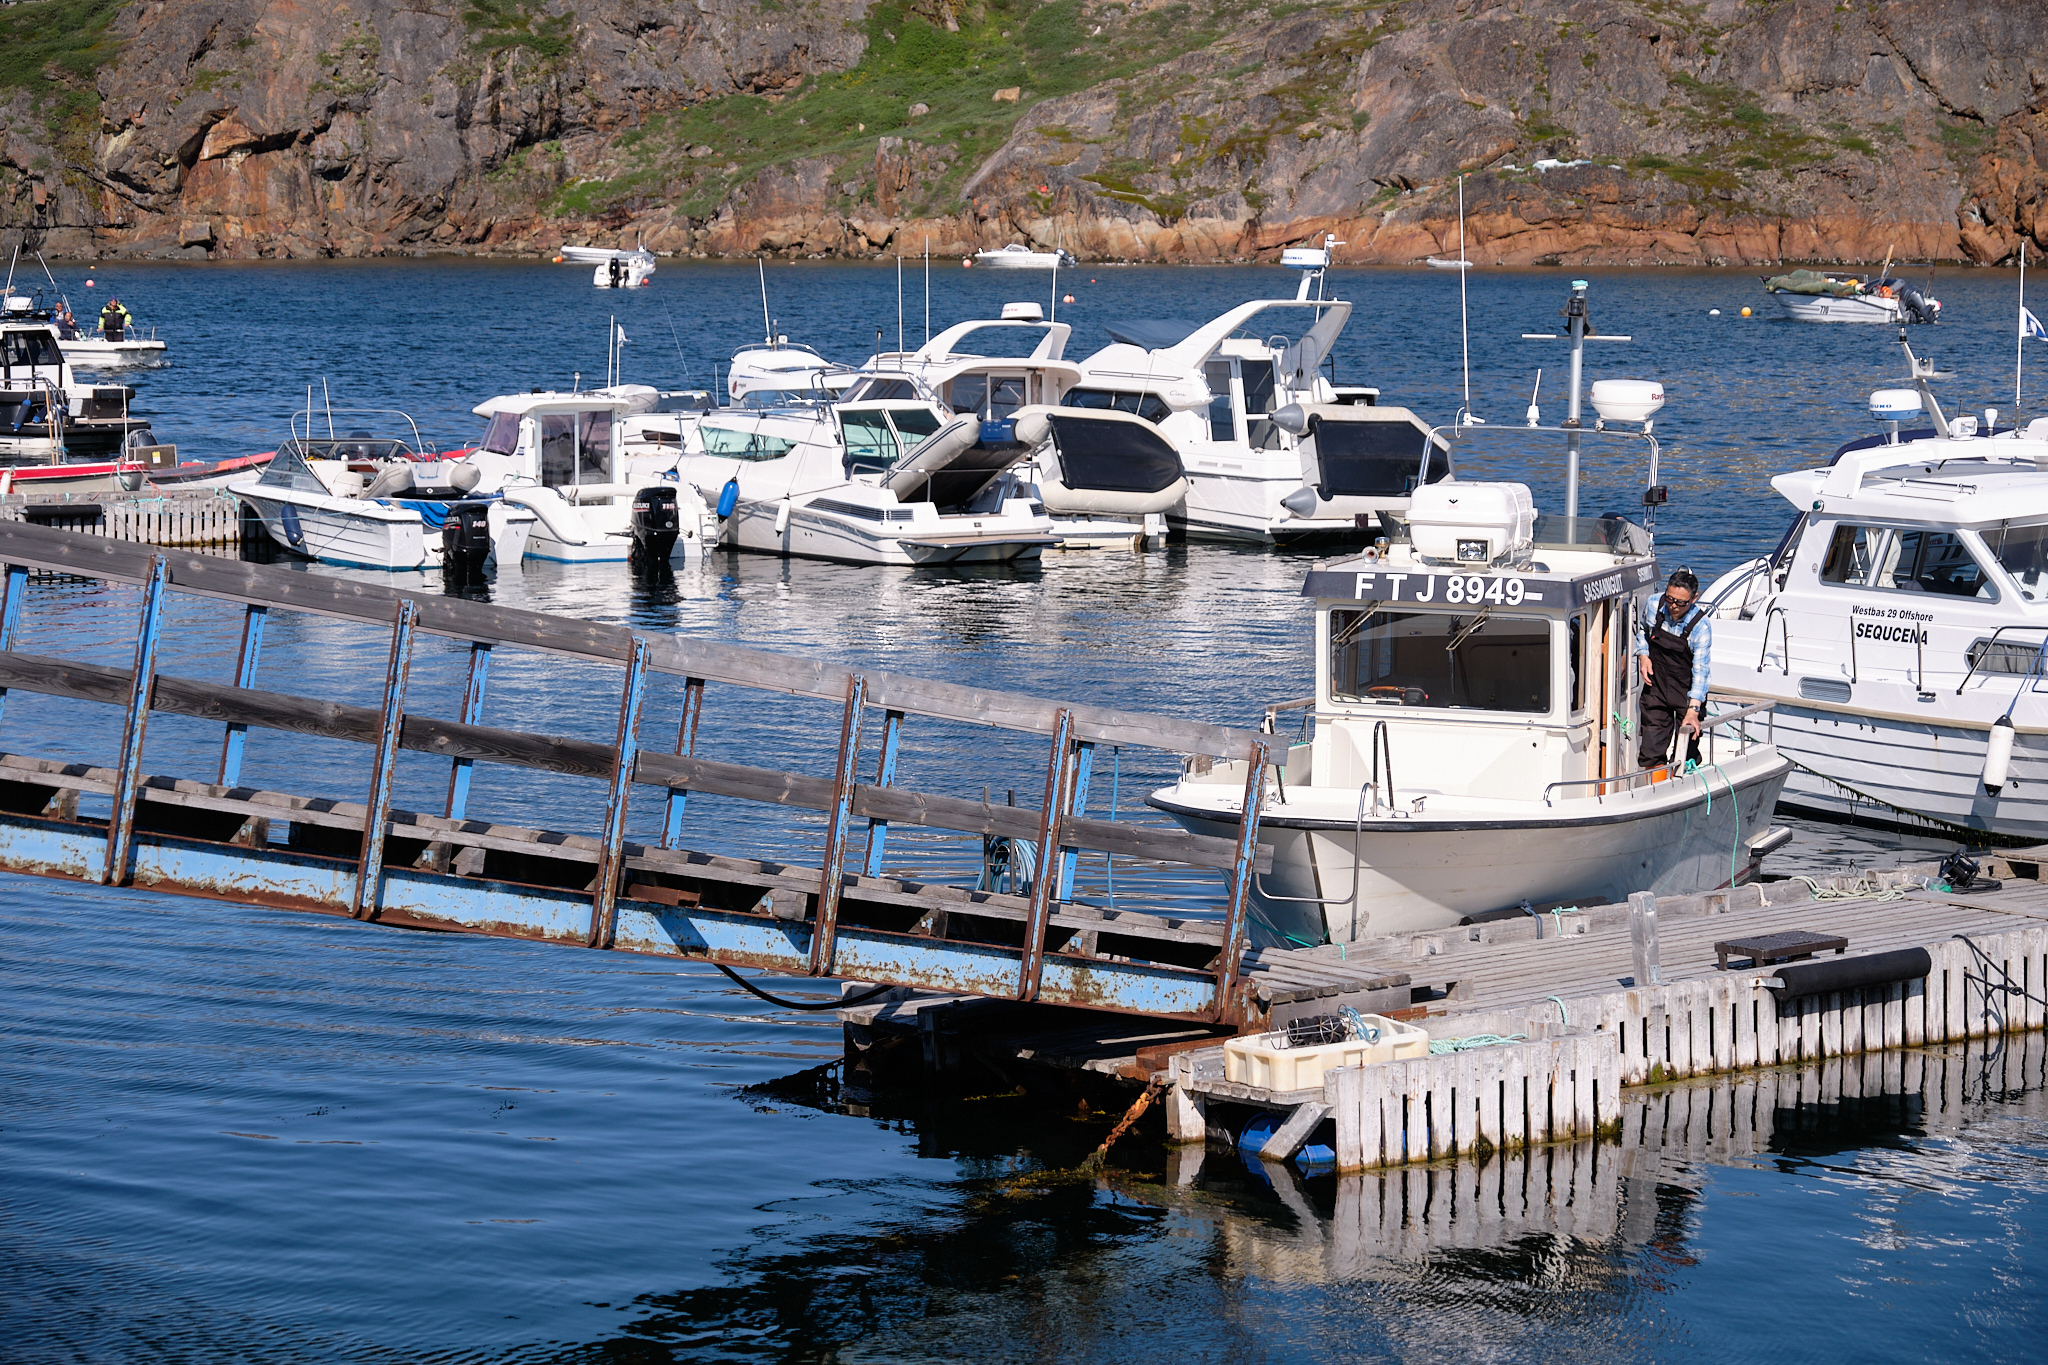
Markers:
point(227, 1133)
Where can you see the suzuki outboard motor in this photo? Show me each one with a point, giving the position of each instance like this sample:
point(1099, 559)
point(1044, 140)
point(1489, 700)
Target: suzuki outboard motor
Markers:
point(656, 525)
point(1917, 306)
point(466, 541)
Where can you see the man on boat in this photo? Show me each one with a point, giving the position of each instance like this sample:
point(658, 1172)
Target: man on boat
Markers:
point(1674, 645)
point(115, 320)
point(67, 325)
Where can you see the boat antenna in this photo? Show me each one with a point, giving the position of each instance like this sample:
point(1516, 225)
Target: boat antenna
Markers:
point(681, 359)
point(1464, 316)
point(9, 286)
point(1055, 314)
point(1535, 414)
point(327, 401)
point(899, 311)
point(2019, 355)
point(927, 289)
point(762, 266)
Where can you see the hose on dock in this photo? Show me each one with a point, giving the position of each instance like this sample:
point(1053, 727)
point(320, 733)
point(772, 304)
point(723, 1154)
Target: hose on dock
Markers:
point(843, 1002)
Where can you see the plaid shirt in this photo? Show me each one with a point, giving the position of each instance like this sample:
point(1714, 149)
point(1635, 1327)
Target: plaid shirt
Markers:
point(1701, 640)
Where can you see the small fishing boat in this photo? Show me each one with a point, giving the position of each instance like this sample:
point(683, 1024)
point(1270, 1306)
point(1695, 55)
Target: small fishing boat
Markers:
point(1017, 256)
point(559, 456)
point(46, 413)
point(1900, 627)
point(84, 348)
point(1843, 296)
point(614, 268)
point(368, 501)
point(1438, 263)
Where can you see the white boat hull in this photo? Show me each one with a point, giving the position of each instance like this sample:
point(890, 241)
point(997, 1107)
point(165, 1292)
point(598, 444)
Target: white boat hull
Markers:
point(1424, 873)
point(330, 531)
point(97, 354)
point(1246, 509)
point(808, 534)
point(1819, 308)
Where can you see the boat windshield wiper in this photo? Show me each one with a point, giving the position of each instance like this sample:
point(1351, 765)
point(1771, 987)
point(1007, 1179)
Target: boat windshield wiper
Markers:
point(1464, 632)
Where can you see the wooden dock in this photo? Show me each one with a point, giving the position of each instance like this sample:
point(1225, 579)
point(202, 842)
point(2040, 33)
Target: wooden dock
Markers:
point(1575, 1031)
point(200, 518)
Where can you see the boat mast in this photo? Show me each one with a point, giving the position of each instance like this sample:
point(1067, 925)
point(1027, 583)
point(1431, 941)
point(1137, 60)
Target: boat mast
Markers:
point(1575, 312)
point(2019, 355)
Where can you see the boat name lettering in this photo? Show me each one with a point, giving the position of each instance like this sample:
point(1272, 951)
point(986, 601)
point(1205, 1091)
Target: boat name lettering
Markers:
point(1458, 589)
point(1907, 635)
point(1600, 589)
point(1892, 613)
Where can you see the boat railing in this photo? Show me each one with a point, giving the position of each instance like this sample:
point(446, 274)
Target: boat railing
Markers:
point(1747, 575)
point(1306, 705)
point(1642, 777)
point(1715, 722)
point(1785, 626)
point(1980, 650)
point(332, 415)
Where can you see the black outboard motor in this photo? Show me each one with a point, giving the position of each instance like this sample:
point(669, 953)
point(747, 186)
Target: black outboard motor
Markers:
point(466, 541)
point(656, 524)
point(1917, 306)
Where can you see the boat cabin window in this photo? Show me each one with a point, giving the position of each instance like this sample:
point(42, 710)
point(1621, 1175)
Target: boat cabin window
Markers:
point(575, 448)
point(870, 440)
point(990, 395)
point(1851, 553)
point(882, 390)
point(742, 445)
point(502, 436)
point(1440, 660)
point(2023, 552)
point(1222, 426)
point(30, 348)
point(1261, 383)
point(1575, 654)
point(1149, 406)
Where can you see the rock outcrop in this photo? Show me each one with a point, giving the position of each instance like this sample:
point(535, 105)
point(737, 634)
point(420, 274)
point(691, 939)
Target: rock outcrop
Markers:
point(1590, 131)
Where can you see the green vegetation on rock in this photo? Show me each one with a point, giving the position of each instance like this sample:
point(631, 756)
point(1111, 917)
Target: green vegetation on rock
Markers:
point(51, 49)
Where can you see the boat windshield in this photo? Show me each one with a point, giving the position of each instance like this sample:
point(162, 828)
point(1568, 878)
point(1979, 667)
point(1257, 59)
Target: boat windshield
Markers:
point(742, 445)
point(1440, 660)
point(758, 400)
point(1149, 406)
point(503, 436)
point(287, 469)
point(2023, 552)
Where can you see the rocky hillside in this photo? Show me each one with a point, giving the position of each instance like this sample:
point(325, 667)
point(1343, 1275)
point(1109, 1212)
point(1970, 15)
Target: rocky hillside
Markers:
point(1589, 130)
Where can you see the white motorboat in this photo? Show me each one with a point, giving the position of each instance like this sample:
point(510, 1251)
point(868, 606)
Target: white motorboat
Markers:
point(560, 456)
point(778, 371)
point(614, 268)
point(1900, 626)
point(1017, 256)
point(368, 501)
point(88, 350)
point(1102, 472)
point(1274, 452)
point(1470, 748)
point(1438, 263)
point(47, 414)
point(1844, 296)
point(870, 482)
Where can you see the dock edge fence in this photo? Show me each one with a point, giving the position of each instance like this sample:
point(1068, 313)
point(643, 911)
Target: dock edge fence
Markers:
point(449, 871)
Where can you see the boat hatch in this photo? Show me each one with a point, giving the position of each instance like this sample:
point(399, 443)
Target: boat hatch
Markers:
point(1120, 457)
point(1480, 660)
point(1373, 453)
point(952, 466)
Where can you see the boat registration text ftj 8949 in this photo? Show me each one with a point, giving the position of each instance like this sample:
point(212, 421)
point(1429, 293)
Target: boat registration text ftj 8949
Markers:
point(1474, 589)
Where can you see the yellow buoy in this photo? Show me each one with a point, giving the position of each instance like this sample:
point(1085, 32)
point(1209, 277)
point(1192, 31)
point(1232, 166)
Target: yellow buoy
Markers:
point(1745, 312)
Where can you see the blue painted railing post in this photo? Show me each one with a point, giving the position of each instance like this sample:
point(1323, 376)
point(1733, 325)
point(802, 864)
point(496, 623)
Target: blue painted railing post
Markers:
point(686, 747)
point(831, 875)
point(1116, 773)
point(1084, 763)
point(245, 676)
point(611, 858)
point(128, 781)
point(384, 768)
point(1238, 915)
point(10, 611)
point(1058, 779)
point(472, 712)
point(885, 775)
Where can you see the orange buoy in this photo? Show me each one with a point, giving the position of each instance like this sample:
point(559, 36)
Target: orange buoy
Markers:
point(967, 262)
point(1745, 312)
point(558, 260)
point(1068, 299)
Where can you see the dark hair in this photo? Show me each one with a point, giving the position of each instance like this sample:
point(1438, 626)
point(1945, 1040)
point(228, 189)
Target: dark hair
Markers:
point(1684, 578)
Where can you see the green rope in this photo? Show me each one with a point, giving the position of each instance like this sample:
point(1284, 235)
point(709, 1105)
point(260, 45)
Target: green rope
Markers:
point(1564, 1014)
point(1439, 1046)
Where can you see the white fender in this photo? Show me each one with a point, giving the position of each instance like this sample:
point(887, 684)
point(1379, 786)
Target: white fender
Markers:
point(564, 523)
point(782, 517)
point(1998, 754)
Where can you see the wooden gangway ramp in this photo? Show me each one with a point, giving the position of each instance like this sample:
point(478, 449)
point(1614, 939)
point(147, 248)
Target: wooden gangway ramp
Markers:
point(358, 854)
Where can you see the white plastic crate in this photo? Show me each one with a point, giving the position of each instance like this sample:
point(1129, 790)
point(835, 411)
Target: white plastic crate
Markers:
point(1265, 1060)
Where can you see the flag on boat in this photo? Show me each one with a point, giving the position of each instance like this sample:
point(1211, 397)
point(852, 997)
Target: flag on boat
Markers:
point(2030, 326)
point(622, 331)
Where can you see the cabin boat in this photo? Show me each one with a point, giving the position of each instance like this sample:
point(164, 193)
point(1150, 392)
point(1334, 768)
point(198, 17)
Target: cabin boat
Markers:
point(368, 501)
point(868, 482)
point(1103, 474)
point(779, 371)
point(1899, 629)
point(1274, 452)
point(1469, 749)
point(38, 384)
point(560, 456)
point(1017, 256)
point(614, 268)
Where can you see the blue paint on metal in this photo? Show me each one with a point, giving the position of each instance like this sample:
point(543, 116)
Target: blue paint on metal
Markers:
point(1235, 919)
point(834, 860)
point(885, 775)
point(384, 768)
point(1031, 966)
point(128, 769)
point(472, 713)
point(612, 840)
point(245, 676)
point(1116, 773)
point(10, 612)
point(474, 903)
point(1084, 763)
point(686, 747)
